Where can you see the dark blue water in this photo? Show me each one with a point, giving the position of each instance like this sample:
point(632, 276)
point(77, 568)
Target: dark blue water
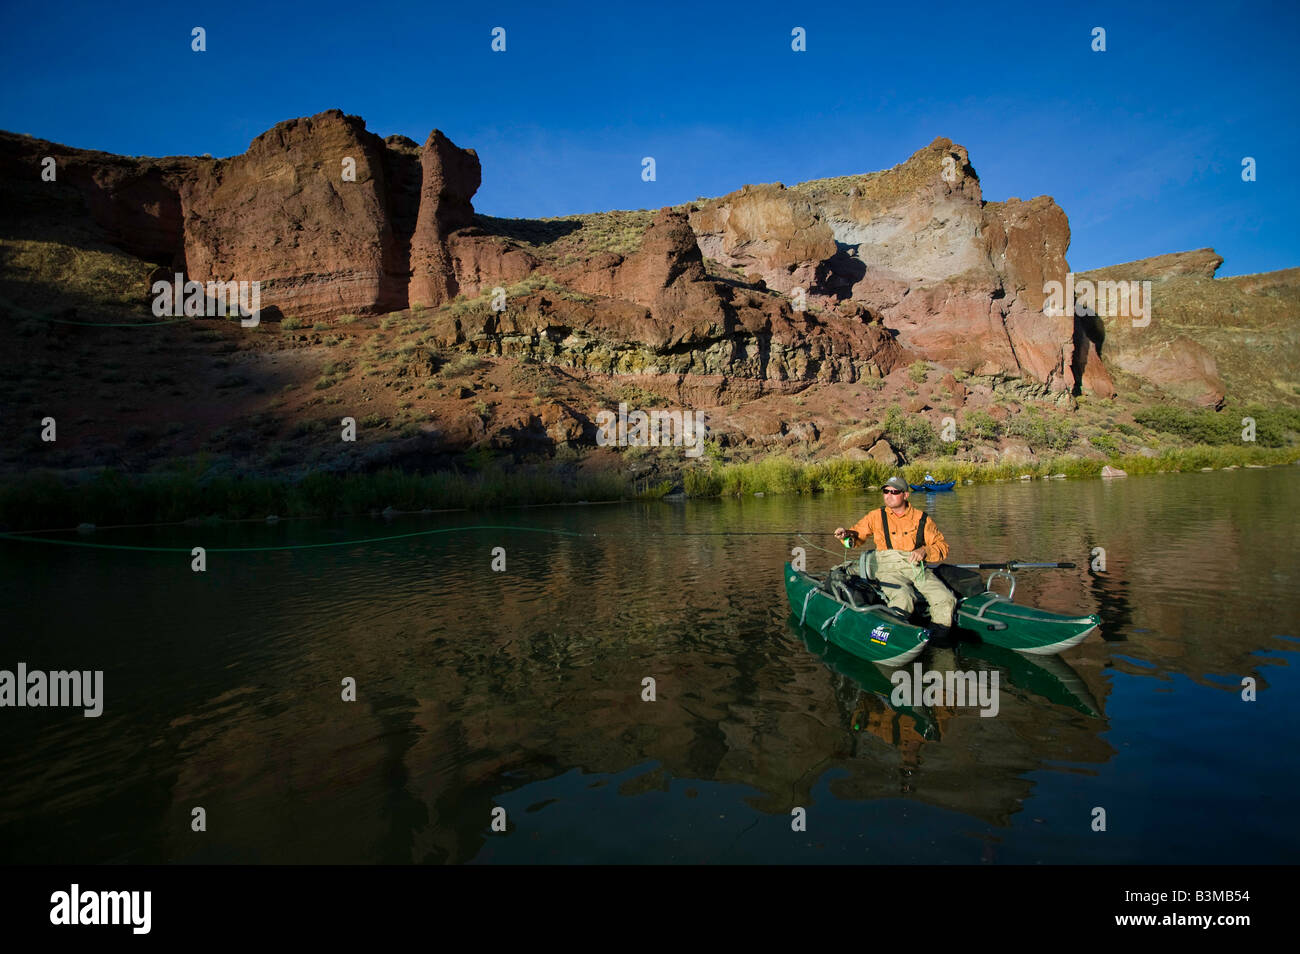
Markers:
point(522, 690)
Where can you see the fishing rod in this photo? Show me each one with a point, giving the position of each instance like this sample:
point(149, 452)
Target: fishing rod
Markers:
point(29, 537)
point(1012, 565)
point(728, 533)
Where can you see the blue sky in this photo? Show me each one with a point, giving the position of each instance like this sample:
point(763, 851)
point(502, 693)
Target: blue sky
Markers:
point(1141, 145)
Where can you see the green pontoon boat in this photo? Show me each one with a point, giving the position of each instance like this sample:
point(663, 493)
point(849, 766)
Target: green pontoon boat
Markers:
point(849, 609)
point(868, 629)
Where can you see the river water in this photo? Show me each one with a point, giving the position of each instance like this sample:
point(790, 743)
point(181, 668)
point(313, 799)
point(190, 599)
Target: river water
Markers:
point(523, 690)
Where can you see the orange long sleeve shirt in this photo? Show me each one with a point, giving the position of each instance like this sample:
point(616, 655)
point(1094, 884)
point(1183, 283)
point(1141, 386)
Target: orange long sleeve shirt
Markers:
point(902, 533)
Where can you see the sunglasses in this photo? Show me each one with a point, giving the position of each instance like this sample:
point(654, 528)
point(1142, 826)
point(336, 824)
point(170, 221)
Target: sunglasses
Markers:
point(891, 492)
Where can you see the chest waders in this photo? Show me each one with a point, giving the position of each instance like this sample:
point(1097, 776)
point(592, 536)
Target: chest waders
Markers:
point(920, 538)
point(940, 635)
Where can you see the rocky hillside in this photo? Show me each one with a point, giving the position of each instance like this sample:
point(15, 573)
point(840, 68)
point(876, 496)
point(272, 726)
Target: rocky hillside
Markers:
point(794, 318)
point(1209, 337)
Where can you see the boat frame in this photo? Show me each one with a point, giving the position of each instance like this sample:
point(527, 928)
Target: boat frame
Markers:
point(983, 622)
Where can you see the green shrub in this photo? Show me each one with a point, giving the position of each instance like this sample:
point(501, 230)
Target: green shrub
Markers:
point(979, 426)
point(1039, 431)
point(478, 458)
point(1105, 443)
point(700, 482)
point(1201, 427)
point(1215, 428)
point(304, 428)
point(911, 434)
point(649, 491)
point(465, 364)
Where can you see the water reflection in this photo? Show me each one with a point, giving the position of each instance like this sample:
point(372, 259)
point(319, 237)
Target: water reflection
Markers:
point(524, 689)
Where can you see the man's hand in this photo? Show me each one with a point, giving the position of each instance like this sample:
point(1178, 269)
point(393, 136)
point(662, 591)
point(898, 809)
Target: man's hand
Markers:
point(917, 556)
point(840, 533)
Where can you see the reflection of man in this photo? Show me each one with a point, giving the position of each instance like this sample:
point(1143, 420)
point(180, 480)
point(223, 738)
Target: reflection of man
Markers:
point(905, 538)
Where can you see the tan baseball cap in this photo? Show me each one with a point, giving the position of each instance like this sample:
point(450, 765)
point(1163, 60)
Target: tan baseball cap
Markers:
point(897, 483)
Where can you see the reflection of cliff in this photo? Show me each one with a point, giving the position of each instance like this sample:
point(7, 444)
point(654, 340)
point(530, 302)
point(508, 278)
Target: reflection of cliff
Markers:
point(763, 719)
point(473, 684)
point(412, 770)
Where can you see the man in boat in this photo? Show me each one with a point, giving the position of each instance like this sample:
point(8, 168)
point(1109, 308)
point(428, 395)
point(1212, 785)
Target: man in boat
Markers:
point(905, 538)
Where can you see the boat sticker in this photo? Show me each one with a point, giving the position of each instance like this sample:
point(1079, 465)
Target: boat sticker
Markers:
point(880, 635)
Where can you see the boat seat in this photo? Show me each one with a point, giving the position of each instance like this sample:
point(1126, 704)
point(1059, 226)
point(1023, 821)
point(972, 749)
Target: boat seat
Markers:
point(961, 581)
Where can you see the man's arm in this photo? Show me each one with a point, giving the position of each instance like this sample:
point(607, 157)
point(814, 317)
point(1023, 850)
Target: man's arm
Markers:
point(864, 529)
point(936, 547)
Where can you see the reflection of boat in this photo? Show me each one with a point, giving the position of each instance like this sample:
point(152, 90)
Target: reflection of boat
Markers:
point(1048, 676)
point(870, 678)
point(869, 630)
point(934, 486)
point(850, 611)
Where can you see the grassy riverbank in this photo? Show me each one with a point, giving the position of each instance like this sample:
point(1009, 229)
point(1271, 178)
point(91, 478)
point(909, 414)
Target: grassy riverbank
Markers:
point(45, 501)
point(778, 475)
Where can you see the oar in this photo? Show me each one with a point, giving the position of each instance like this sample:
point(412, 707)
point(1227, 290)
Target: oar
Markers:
point(1015, 565)
point(1011, 565)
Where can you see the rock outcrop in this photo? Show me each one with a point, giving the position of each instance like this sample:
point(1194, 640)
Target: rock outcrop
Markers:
point(844, 278)
point(960, 279)
point(450, 177)
point(1201, 263)
point(481, 262)
point(767, 230)
point(326, 216)
point(283, 214)
point(1204, 334)
point(134, 201)
point(656, 312)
